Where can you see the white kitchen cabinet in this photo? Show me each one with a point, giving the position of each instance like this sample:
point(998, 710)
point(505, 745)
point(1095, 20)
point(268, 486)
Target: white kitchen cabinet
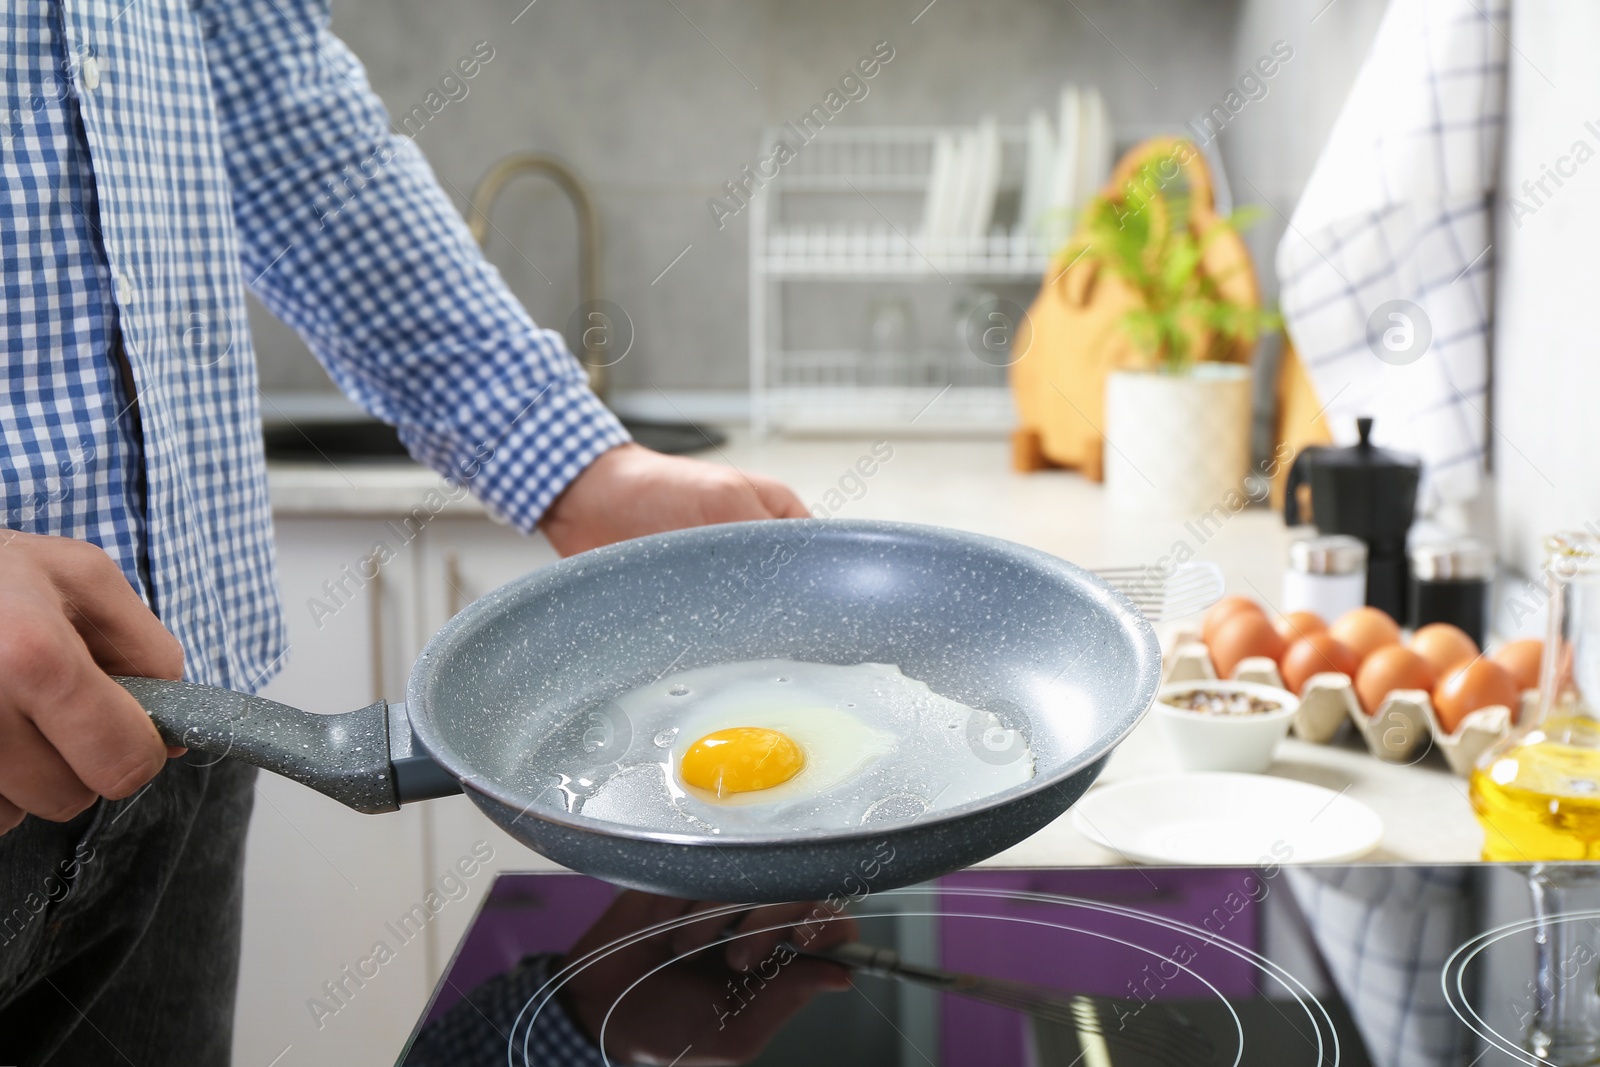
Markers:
point(464, 559)
point(326, 885)
point(322, 880)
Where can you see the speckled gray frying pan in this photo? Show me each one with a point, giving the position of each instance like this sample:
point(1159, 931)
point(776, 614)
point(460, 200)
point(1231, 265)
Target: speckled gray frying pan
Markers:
point(514, 691)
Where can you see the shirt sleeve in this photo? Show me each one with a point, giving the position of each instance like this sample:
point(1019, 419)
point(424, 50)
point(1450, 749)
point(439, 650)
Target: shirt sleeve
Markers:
point(346, 235)
point(514, 1010)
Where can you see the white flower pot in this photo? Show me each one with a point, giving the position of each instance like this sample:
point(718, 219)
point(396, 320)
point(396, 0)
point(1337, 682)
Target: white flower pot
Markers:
point(1177, 444)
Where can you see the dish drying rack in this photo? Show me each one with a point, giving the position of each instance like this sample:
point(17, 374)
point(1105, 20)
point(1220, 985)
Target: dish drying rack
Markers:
point(849, 208)
point(878, 180)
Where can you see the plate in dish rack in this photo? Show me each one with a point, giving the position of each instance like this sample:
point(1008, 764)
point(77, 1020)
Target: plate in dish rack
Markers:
point(1227, 819)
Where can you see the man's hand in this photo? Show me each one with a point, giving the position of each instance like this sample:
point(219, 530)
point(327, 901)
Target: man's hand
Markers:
point(708, 1003)
point(68, 733)
point(631, 491)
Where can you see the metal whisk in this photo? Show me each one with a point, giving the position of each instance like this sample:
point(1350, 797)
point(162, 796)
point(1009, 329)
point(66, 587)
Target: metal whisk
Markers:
point(1164, 595)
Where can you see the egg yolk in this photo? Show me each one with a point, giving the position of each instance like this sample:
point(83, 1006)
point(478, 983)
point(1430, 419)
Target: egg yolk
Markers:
point(741, 760)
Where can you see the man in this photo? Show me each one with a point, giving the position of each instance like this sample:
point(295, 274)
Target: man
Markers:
point(155, 158)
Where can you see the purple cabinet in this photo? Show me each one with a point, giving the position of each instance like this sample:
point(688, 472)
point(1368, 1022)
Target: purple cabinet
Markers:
point(1107, 938)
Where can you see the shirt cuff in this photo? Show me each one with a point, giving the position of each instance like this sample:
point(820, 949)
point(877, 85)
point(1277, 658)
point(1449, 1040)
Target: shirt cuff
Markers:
point(554, 1038)
point(493, 1019)
point(547, 441)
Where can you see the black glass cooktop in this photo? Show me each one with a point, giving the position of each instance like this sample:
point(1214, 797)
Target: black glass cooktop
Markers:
point(1191, 967)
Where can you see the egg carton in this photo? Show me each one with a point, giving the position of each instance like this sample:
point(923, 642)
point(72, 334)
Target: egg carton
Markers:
point(1404, 720)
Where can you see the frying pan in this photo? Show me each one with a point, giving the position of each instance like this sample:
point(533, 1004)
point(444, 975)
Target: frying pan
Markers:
point(515, 691)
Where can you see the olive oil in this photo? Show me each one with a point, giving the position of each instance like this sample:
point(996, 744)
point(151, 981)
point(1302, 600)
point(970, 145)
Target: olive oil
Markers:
point(1540, 799)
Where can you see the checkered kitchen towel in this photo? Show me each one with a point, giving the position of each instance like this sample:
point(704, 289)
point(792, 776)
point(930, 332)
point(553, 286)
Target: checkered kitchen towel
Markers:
point(1395, 221)
point(1386, 933)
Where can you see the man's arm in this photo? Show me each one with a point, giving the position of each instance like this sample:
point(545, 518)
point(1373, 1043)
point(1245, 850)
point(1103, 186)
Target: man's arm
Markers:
point(350, 240)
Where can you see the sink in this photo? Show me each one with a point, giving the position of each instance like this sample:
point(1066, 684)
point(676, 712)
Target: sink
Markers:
point(675, 438)
point(371, 441)
point(342, 441)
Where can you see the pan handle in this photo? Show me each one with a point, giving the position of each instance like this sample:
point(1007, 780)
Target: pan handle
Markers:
point(416, 775)
point(347, 757)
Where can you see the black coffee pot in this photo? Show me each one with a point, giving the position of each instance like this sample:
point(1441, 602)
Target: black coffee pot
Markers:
point(1366, 492)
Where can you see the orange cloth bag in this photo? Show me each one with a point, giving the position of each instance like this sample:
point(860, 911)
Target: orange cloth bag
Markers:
point(1078, 337)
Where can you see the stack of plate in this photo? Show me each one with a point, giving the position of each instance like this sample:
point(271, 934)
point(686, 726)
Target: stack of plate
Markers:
point(1066, 162)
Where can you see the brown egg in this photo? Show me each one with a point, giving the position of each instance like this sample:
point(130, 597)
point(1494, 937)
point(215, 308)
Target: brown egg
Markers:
point(1222, 611)
point(1298, 624)
point(1445, 647)
point(1522, 659)
point(1365, 630)
point(1478, 683)
point(1316, 654)
point(1245, 634)
point(1388, 669)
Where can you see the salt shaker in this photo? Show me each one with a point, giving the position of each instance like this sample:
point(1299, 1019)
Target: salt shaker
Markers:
point(1326, 575)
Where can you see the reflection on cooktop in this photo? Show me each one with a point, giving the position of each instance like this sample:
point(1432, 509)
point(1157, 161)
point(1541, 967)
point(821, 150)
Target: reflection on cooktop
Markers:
point(1193, 967)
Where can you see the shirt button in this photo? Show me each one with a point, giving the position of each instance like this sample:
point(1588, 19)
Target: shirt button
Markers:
point(89, 73)
point(124, 291)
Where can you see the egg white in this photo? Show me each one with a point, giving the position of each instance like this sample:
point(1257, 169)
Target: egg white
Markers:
point(879, 747)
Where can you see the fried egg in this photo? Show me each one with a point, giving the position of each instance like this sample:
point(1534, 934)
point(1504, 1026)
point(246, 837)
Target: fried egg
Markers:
point(768, 745)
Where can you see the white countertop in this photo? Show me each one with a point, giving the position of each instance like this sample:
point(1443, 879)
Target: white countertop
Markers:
point(968, 484)
point(350, 490)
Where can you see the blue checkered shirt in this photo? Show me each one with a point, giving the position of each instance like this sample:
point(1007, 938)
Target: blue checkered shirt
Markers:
point(511, 1020)
point(154, 159)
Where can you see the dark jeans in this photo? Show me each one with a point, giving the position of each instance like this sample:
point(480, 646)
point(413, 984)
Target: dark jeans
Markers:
point(119, 931)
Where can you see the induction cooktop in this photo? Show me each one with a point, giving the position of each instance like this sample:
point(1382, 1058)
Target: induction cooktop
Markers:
point(1131, 967)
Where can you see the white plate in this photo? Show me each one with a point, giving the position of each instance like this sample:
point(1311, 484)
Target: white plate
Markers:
point(1227, 819)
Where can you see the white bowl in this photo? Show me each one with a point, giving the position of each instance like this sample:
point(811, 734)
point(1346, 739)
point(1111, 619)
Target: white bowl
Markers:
point(1244, 743)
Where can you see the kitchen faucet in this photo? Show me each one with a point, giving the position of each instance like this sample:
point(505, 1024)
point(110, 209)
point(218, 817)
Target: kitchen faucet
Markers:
point(488, 192)
point(676, 437)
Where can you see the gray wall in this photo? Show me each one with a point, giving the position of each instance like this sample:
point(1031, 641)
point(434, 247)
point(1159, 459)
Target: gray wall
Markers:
point(638, 99)
point(1274, 142)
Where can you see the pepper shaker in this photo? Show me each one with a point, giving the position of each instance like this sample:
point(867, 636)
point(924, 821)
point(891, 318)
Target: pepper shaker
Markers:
point(1450, 583)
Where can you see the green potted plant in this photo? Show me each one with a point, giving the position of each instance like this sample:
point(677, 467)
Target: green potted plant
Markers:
point(1177, 408)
